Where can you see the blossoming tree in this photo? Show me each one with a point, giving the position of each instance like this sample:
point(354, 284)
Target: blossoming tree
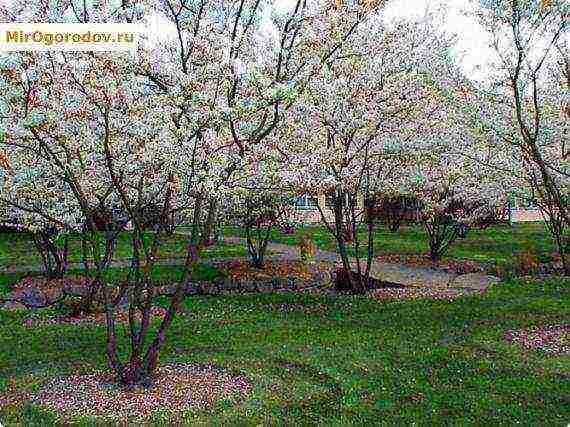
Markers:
point(520, 111)
point(352, 136)
point(164, 128)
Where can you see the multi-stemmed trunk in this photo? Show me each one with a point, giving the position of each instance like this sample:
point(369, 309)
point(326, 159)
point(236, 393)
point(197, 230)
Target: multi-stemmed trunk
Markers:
point(140, 367)
point(441, 233)
point(257, 238)
point(95, 263)
point(54, 259)
point(347, 221)
point(260, 217)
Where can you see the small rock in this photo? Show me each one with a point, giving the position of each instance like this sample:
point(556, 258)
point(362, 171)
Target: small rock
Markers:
point(221, 283)
point(279, 282)
point(13, 305)
point(33, 297)
point(227, 283)
point(249, 286)
point(192, 288)
point(162, 290)
point(265, 287)
point(292, 282)
point(210, 288)
point(236, 287)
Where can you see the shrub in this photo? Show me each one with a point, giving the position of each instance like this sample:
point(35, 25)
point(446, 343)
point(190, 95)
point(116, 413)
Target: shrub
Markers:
point(307, 249)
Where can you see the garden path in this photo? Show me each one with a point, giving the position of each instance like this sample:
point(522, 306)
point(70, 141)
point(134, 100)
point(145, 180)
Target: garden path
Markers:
point(395, 273)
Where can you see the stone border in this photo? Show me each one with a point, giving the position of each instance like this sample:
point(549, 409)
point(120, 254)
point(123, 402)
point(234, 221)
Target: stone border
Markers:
point(321, 281)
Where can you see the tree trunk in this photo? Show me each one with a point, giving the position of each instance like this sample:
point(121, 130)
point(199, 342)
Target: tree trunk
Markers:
point(55, 261)
point(257, 246)
point(354, 282)
point(209, 225)
point(196, 219)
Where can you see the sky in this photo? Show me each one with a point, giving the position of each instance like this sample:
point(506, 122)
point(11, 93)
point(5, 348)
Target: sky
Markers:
point(471, 48)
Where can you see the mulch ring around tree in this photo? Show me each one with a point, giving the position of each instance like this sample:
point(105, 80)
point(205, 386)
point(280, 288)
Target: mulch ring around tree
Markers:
point(176, 388)
point(384, 290)
point(553, 340)
point(459, 266)
point(237, 270)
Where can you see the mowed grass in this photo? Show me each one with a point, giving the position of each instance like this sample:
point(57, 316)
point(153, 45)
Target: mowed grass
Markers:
point(18, 249)
point(499, 244)
point(343, 361)
point(495, 244)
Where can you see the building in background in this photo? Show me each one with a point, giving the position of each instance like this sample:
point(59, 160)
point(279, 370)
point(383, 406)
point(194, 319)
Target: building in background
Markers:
point(524, 210)
point(306, 210)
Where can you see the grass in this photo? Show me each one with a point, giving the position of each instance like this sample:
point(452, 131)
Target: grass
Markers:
point(354, 361)
point(18, 249)
point(497, 244)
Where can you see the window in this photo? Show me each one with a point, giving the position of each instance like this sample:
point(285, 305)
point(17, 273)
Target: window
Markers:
point(348, 198)
point(528, 203)
point(305, 202)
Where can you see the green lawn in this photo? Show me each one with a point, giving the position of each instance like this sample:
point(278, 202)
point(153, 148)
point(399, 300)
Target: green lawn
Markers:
point(354, 361)
point(496, 244)
point(18, 249)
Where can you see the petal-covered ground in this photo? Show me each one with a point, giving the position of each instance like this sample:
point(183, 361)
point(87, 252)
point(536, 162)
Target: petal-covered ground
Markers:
point(420, 293)
point(177, 388)
point(121, 316)
point(551, 339)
